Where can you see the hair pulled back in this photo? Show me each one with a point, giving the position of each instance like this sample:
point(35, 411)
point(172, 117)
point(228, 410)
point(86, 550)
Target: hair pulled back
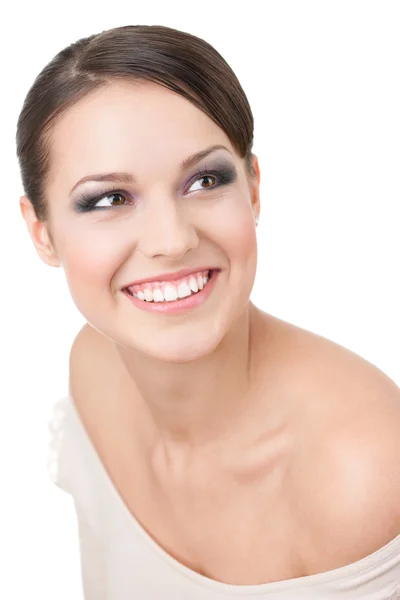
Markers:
point(175, 59)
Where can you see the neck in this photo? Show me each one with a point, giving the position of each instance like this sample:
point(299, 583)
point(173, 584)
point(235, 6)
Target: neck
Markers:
point(197, 406)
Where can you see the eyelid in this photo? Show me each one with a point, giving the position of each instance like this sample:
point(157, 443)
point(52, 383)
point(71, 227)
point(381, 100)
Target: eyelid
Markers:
point(87, 201)
point(225, 172)
point(219, 171)
point(200, 173)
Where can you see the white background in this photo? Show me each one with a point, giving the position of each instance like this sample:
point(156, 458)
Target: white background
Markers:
point(322, 78)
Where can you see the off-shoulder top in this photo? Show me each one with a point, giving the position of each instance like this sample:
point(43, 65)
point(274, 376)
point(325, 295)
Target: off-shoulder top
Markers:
point(121, 561)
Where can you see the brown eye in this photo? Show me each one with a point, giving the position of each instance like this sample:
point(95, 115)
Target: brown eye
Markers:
point(120, 196)
point(107, 197)
point(208, 178)
point(111, 198)
point(209, 181)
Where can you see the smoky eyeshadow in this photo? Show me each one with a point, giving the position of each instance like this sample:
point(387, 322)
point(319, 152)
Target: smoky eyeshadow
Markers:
point(224, 171)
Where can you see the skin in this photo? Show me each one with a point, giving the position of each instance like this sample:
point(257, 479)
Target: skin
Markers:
point(225, 394)
point(193, 370)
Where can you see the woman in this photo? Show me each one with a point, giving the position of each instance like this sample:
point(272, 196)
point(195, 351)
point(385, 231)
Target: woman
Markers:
point(212, 450)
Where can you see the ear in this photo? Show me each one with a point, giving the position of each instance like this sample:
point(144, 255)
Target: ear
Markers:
point(254, 182)
point(39, 233)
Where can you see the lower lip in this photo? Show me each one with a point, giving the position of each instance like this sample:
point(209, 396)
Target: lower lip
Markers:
point(180, 306)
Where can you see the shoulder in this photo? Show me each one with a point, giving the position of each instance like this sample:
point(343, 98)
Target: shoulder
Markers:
point(88, 335)
point(352, 466)
point(91, 362)
point(85, 342)
point(364, 458)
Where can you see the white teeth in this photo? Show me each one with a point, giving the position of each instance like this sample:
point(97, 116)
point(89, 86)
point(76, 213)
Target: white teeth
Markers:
point(193, 284)
point(170, 292)
point(158, 296)
point(184, 290)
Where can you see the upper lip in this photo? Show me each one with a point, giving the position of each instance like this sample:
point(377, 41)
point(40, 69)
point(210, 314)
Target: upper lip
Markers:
point(171, 276)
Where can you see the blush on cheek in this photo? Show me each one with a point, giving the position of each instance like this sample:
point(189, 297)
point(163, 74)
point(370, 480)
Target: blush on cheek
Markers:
point(93, 256)
point(89, 273)
point(242, 239)
point(86, 268)
point(89, 278)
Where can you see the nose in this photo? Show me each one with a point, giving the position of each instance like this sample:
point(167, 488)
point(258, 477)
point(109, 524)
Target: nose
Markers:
point(165, 231)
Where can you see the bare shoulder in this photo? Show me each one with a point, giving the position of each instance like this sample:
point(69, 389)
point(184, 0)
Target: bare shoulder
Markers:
point(92, 363)
point(350, 452)
point(86, 341)
point(332, 378)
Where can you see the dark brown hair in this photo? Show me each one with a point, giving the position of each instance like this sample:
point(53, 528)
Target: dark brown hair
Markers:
point(175, 59)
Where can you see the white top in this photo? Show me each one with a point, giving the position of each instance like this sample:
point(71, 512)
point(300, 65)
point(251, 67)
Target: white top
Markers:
point(121, 561)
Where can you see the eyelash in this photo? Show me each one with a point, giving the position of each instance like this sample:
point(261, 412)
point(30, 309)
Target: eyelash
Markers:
point(86, 202)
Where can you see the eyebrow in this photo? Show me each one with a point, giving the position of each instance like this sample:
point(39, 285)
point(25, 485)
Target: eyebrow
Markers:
point(121, 177)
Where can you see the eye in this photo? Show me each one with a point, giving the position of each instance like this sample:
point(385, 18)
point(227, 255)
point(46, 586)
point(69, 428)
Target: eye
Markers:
point(221, 175)
point(208, 180)
point(117, 195)
point(88, 202)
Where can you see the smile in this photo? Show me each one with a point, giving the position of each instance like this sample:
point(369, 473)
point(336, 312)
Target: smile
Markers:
point(174, 296)
point(171, 290)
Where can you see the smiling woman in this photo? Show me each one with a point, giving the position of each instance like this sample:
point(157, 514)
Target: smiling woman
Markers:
point(212, 450)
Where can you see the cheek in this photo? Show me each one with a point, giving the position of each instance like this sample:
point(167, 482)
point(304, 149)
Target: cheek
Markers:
point(90, 261)
point(238, 234)
point(243, 241)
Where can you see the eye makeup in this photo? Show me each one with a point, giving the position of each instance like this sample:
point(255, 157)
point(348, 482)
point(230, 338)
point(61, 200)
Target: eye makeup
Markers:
point(223, 173)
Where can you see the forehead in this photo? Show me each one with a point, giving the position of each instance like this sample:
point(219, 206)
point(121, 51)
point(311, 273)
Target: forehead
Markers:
point(129, 126)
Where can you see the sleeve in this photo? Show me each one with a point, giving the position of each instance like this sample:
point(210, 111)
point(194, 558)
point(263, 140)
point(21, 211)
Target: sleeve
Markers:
point(58, 457)
point(64, 471)
point(93, 568)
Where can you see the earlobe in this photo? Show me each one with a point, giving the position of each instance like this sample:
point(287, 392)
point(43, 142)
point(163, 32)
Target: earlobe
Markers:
point(39, 234)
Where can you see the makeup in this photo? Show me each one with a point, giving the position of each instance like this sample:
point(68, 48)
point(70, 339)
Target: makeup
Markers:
point(222, 174)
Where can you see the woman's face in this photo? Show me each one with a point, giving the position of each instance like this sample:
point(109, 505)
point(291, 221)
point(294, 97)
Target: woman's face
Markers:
point(167, 218)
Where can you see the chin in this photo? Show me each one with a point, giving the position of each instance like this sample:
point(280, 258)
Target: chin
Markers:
point(183, 352)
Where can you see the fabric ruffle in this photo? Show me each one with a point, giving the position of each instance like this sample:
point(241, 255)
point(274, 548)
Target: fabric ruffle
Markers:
point(57, 426)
